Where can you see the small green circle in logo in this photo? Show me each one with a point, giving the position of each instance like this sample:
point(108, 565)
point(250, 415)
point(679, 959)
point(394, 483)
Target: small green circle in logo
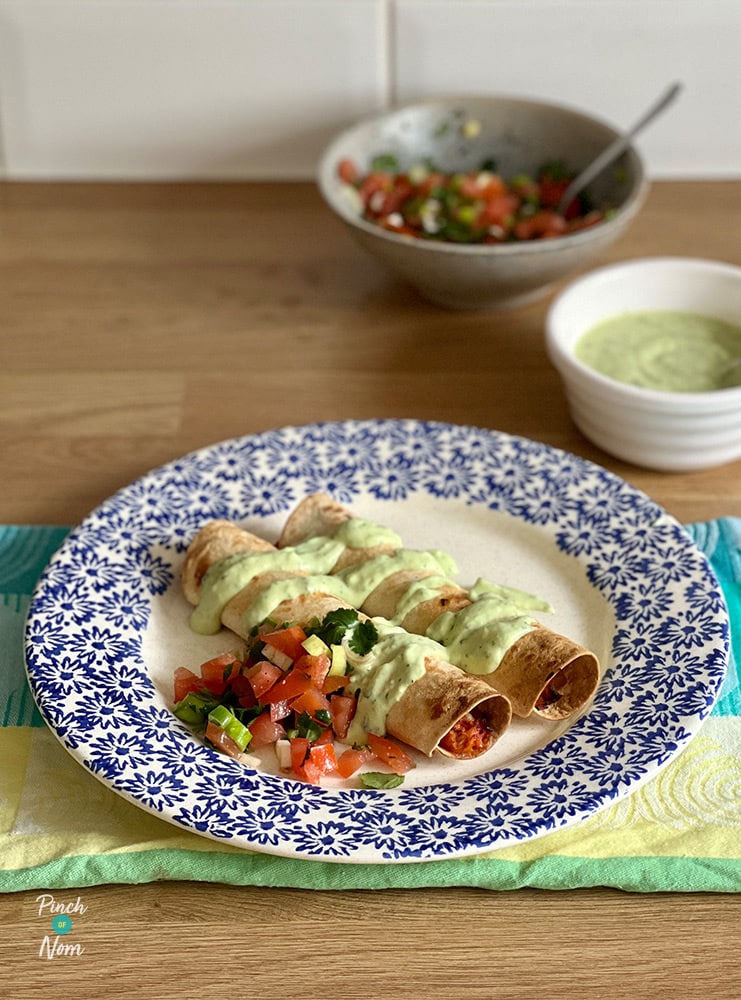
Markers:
point(61, 924)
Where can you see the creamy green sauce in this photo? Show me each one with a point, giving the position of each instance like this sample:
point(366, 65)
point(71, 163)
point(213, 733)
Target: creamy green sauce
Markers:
point(509, 600)
point(357, 533)
point(382, 676)
point(477, 637)
point(664, 350)
point(282, 590)
point(474, 639)
point(363, 578)
point(226, 578)
point(417, 593)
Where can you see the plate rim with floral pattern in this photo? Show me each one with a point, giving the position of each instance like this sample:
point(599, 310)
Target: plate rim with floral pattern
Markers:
point(89, 611)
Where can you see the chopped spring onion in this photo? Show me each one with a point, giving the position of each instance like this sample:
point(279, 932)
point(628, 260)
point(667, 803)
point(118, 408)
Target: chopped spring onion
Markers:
point(276, 656)
point(339, 661)
point(234, 729)
point(315, 645)
point(195, 707)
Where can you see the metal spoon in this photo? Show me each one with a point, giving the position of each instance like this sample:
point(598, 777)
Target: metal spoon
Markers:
point(618, 146)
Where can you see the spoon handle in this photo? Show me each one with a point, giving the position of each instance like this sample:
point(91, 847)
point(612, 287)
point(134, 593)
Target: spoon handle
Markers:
point(618, 146)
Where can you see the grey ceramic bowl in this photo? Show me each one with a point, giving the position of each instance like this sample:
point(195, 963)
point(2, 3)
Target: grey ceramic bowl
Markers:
point(519, 135)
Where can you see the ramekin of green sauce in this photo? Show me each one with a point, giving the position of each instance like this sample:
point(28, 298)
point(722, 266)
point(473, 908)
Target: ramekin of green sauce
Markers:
point(646, 351)
point(665, 349)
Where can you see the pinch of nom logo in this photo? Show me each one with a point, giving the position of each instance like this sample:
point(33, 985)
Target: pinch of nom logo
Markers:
point(59, 915)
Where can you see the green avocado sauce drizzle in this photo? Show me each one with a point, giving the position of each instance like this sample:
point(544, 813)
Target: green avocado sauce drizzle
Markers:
point(475, 638)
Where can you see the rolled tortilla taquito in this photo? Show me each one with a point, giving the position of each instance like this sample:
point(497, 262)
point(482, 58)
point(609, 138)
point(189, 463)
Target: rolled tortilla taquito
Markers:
point(441, 709)
point(215, 541)
point(318, 515)
point(541, 671)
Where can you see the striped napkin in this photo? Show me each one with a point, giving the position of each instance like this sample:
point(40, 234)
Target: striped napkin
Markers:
point(60, 828)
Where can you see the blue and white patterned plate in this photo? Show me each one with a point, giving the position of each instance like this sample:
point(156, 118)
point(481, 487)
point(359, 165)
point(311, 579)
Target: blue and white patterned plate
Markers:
point(108, 625)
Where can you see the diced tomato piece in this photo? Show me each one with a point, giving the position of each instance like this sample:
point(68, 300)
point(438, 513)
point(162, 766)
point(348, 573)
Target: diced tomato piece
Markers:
point(342, 710)
point(242, 689)
point(373, 183)
point(390, 753)
point(310, 761)
point(499, 211)
point(279, 710)
point(585, 221)
point(326, 736)
point(185, 682)
point(315, 666)
point(552, 190)
point(433, 180)
point(482, 186)
point(395, 198)
point(312, 701)
point(333, 682)
point(215, 672)
point(265, 731)
point(352, 759)
point(347, 171)
point(300, 758)
point(392, 223)
point(262, 676)
point(543, 224)
point(323, 756)
point(291, 685)
point(287, 640)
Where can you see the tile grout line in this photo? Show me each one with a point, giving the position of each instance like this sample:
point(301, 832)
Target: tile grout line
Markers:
point(388, 33)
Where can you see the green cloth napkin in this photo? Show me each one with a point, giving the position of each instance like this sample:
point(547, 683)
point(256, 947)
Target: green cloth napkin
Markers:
point(60, 828)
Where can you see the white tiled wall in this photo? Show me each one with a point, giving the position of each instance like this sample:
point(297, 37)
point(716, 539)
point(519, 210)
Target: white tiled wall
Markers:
point(254, 88)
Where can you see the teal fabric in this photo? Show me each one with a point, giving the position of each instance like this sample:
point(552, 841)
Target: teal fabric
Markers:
point(721, 542)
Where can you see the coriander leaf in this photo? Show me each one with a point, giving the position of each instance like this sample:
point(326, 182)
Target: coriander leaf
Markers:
point(335, 624)
point(385, 163)
point(363, 638)
point(379, 779)
point(308, 728)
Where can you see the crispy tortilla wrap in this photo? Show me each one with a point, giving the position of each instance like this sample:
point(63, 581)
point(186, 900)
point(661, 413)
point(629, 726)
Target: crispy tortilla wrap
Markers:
point(542, 672)
point(215, 541)
point(546, 673)
point(443, 710)
point(320, 515)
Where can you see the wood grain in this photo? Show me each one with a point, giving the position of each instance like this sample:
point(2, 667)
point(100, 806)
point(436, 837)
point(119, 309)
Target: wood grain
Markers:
point(193, 940)
point(139, 322)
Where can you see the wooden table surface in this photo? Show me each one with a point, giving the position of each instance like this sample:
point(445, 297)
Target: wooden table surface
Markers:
point(139, 322)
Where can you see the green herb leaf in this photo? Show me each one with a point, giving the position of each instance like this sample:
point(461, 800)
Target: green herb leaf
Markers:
point(344, 622)
point(385, 162)
point(309, 728)
point(363, 638)
point(335, 624)
point(379, 779)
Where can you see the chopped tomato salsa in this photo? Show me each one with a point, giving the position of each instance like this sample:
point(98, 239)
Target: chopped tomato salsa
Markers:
point(279, 694)
point(477, 206)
